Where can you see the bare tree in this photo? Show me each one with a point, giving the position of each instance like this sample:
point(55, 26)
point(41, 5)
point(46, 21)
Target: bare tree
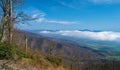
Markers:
point(9, 16)
point(4, 4)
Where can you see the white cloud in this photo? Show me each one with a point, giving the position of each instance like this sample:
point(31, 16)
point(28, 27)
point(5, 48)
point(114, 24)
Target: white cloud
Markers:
point(104, 1)
point(40, 17)
point(103, 36)
point(39, 20)
point(70, 3)
point(34, 15)
point(37, 14)
point(80, 3)
point(61, 22)
point(67, 4)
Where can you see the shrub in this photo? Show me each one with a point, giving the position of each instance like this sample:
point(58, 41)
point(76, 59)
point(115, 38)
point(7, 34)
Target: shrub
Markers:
point(54, 60)
point(10, 52)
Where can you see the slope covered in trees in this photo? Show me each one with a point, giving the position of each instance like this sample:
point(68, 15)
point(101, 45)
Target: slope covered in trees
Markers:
point(74, 56)
point(15, 58)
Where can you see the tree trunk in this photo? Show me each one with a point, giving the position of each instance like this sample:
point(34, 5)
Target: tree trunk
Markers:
point(4, 21)
point(26, 45)
point(3, 37)
point(11, 24)
point(4, 30)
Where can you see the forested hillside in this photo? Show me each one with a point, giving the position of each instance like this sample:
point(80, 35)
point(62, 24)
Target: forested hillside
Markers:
point(74, 56)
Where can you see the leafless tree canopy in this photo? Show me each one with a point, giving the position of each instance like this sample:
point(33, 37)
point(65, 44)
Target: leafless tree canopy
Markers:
point(9, 16)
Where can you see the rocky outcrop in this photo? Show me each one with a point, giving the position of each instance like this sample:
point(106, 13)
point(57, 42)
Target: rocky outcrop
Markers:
point(13, 65)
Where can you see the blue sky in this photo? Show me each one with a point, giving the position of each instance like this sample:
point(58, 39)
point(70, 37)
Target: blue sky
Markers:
point(73, 14)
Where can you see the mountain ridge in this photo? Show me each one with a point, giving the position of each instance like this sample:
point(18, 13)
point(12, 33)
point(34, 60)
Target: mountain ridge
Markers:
point(71, 52)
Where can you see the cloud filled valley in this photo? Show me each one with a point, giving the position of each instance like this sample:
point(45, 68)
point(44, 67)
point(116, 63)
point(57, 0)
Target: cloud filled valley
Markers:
point(100, 35)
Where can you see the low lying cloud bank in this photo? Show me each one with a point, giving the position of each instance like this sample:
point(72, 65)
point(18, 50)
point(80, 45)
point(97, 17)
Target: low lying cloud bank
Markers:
point(103, 35)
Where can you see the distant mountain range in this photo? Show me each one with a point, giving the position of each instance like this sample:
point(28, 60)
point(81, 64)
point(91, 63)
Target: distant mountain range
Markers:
point(96, 39)
point(74, 47)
